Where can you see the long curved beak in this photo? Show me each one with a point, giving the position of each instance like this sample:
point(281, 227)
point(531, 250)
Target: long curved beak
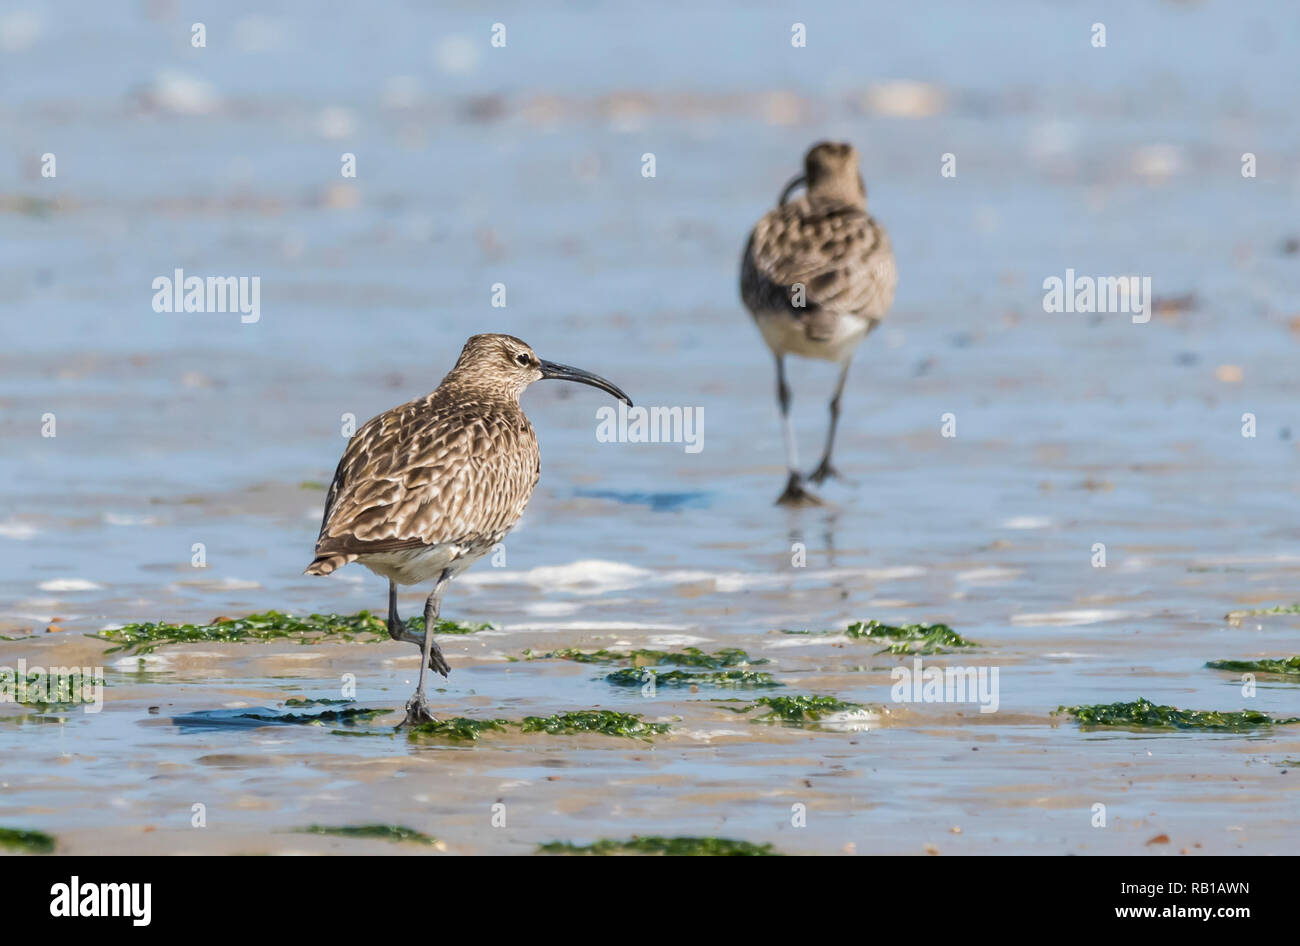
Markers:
point(799, 181)
point(564, 373)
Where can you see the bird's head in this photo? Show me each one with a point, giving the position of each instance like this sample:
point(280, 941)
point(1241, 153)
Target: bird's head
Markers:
point(830, 170)
point(505, 364)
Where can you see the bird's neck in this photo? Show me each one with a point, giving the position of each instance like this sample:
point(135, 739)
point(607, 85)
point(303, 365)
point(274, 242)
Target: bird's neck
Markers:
point(472, 385)
point(839, 194)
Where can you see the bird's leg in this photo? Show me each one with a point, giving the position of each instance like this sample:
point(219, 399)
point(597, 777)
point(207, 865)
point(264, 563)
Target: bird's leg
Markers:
point(432, 652)
point(417, 708)
point(396, 628)
point(795, 494)
point(824, 469)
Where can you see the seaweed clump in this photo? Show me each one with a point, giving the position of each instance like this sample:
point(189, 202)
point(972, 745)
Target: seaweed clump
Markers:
point(740, 679)
point(920, 639)
point(1283, 666)
point(604, 722)
point(380, 832)
point(667, 847)
point(347, 716)
point(687, 657)
point(799, 709)
point(29, 842)
point(146, 637)
point(1143, 714)
point(909, 638)
point(607, 722)
point(459, 728)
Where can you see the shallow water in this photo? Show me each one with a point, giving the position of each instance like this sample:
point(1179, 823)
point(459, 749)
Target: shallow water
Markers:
point(522, 166)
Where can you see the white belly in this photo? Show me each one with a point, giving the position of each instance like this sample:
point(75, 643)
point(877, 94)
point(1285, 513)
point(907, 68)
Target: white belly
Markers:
point(422, 565)
point(785, 336)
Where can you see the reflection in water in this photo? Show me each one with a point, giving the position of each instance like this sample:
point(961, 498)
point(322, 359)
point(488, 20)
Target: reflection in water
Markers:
point(831, 522)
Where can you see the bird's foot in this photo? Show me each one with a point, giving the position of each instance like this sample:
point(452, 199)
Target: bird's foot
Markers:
point(417, 712)
point(437, 661)
point(397, 629)
point(796, 495)
point(824, 472)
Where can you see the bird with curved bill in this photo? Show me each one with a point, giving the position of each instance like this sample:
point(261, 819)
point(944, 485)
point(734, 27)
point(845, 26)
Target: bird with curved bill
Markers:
point(818, 276)
point(426, 489)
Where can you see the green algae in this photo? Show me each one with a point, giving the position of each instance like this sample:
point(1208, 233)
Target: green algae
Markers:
point(463, 729)
point(1284, 666)
point(296, 701)
point(799, 709)
point(909, 638)
point(687, 657)
point(920, 639)
point(667, 847)
point(1143, 714)
point(458, 728)
point(29, 842)
point(379, 832)
point(1235, 618)
point(740, 679)
point(348, 716)
point(416, 625)
point(145, 638)
point(606, 722)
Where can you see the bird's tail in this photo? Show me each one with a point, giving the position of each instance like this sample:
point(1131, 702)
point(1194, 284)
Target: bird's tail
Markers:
point(325, 564)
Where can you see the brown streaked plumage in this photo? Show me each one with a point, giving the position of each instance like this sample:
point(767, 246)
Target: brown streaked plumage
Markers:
point(818, 275)
point(428, 488)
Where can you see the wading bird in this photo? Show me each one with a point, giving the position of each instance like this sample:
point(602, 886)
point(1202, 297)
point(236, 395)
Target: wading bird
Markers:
point(428, 488)
point(817, 276)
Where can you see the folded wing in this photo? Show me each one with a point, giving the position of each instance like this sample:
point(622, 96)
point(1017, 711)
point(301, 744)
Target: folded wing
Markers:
point(837, 252)
point(423, 474)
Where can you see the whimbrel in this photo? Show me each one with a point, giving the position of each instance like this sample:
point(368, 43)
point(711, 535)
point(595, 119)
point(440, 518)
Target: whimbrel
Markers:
point(818, 275)
point(428, 488)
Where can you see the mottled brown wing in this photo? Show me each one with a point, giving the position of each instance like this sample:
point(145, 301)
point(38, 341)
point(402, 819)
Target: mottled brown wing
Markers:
point(426, 473)
point(840, 255)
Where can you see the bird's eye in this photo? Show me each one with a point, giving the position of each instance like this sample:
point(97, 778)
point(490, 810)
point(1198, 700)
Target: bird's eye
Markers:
point(522, 359)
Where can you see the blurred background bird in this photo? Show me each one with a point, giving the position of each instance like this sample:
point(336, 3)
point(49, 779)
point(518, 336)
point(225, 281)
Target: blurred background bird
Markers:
point(818, 275)
point(428, 488)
